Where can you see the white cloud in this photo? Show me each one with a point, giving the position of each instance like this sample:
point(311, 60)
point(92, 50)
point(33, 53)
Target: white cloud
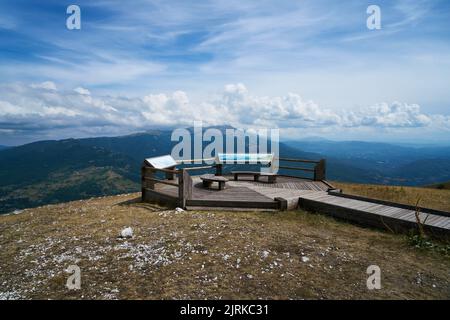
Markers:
point(40, 108)
point(47, 85)
point(82, 91)
point(392, 115)
point(290, 110)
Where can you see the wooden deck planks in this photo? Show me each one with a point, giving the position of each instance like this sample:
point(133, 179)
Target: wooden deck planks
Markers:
point(447, 224)
point(249, 190)
point(442, 222)
point(381, 210)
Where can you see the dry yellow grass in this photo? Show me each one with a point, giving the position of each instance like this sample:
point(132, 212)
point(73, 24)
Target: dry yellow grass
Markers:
point(214, 255)
point(429, 198)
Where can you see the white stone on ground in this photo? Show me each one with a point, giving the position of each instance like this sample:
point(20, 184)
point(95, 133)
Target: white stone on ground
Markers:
point(264, 254)
point(126, 233)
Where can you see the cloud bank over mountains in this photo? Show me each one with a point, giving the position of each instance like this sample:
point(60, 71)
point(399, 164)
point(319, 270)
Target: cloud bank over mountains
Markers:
point(39, 108)
point(121, 71)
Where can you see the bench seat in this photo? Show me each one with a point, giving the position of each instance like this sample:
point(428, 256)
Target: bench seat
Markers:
point(208, 179)
point(271, 177)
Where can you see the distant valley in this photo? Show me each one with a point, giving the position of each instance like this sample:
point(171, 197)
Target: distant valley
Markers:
point(389, 164)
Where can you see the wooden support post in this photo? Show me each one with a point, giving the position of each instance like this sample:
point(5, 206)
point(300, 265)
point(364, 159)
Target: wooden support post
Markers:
point(149, 183)
point(272, 179)
point(218, 169)
point(282, 203)
point(324, 170)
point(207, 183)
point(143, 183)
point(181, 188)
point(185, 188)
point(320, 170)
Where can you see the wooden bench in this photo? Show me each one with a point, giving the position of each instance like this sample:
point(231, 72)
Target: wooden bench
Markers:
point(271, 177)
point(208, 179)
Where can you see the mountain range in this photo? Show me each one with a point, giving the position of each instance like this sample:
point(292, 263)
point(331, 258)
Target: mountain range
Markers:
point(386, 163)
point(54, 171)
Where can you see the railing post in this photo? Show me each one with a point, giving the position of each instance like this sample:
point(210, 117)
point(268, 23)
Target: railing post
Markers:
point(218, 169)
point(320, 170)
point(149, 174)
point(184, 187)
point(143, 183)
point(181, 188)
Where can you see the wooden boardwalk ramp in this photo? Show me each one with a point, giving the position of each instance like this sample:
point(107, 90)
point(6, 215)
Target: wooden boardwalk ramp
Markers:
point(364, 211)
point(375, 213)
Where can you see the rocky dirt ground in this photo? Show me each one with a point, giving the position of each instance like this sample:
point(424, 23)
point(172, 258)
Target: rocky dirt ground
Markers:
point(206, 254)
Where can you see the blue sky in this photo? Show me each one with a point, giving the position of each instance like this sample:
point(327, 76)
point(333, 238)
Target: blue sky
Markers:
point(307, 67)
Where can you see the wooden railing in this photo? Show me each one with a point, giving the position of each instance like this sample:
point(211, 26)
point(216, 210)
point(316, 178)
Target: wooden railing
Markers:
point(194, 160)
point(181, 179)
point(217, 166)
point(319, 169)
point(183, 183)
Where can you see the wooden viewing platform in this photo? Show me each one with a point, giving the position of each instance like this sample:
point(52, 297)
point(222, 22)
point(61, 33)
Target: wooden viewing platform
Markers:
point(242, 193)
point(179, 188)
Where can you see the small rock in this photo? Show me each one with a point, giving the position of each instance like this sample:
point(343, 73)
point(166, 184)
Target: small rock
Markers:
point(178, 209)
point(126, 233)
point(305, 259)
